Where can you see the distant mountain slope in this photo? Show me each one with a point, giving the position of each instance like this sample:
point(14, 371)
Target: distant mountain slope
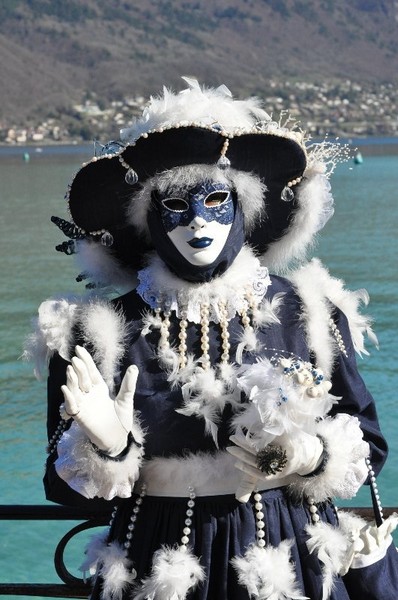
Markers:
point(53, 52)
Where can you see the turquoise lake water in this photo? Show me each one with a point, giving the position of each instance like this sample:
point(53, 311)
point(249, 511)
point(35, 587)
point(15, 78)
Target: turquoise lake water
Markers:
point(359, 245)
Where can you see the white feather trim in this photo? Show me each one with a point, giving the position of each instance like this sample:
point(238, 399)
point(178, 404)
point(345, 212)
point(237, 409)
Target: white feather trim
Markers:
point(248, 342)
point(103, 267)
point(331, 547)
point(175, 572)
point(183, 374)
point(315, 206)
point(85, 471)
point(53, 333)
point(348, 302)
point(101, 326)
point(105, 330)
point(316, 311)
point(206, 106)
point(93, 550)
point(267, 312)
point(268, 573)
point(317, 288)
point(345, 469)
point(205, 395)
point(116, 571)
point(210, 475)
point(150, 321)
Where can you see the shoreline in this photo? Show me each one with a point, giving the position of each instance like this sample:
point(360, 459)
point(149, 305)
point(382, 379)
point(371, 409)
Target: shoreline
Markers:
point(368, 146)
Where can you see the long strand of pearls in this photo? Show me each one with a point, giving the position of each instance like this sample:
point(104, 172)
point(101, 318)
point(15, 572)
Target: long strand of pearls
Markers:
point(188, 519)
point(312, 507)
point(182, 348)
point(253, 305)
point(225, 345)
point(245, 319)
point(164, 342)
point(205, 346)
point(260, 524)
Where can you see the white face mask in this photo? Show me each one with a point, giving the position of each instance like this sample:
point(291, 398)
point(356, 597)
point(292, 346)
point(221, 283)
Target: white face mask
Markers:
point(200, 242)
point(198, 221)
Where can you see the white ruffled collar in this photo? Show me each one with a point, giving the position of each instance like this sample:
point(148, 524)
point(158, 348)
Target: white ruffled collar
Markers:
point(245, 279)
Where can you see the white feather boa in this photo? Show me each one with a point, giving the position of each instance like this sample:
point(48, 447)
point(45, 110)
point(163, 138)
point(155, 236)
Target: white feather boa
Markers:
point(268, 573)
point(314, 208)
point(318, 291)
point(101, 326)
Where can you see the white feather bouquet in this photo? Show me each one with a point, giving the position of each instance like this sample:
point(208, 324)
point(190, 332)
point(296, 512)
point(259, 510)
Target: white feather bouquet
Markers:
point(287, 397)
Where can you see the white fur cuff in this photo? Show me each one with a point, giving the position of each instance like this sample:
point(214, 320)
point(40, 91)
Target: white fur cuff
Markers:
point(345, 469)
point(85, 471)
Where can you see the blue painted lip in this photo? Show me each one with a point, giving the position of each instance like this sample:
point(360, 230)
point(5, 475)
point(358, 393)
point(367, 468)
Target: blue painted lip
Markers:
point(203, 242)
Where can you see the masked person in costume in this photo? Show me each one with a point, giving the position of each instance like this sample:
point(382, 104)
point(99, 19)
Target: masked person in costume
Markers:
point(216, 403)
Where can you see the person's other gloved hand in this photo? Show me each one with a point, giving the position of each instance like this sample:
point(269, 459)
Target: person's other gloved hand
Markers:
point(106, 422)
point(298, 452)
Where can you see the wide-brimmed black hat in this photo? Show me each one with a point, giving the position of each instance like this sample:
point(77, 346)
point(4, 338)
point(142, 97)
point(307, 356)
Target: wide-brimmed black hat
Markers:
point(101, 191)
point(268, 162)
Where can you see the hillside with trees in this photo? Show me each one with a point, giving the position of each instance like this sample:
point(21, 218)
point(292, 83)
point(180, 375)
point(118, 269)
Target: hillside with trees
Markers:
point(81, 63)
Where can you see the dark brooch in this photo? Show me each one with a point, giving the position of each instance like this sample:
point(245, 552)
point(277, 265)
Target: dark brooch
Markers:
point(271, 460)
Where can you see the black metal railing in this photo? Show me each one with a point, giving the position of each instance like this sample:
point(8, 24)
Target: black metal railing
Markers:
point(73, 587)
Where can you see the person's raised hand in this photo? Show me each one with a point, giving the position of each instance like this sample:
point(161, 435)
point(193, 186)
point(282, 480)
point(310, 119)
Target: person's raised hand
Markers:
point(106, 422)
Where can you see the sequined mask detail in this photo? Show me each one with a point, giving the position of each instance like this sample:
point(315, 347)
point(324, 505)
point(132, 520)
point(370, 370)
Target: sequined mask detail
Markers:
point(212, 201)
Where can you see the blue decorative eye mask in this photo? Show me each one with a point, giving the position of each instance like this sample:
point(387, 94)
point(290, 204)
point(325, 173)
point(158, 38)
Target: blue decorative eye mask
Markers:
point(213, 201)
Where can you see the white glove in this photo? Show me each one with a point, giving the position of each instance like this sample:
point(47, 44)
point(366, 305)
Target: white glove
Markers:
point(106, 422)
point(299, 453)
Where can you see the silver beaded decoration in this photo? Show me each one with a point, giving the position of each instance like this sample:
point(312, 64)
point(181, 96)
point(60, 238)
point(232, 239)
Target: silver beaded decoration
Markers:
point(373, 483)
point(113, 515)
point(131, 525)
point(224, 162)
point(131, 176)
point(53, 442)
point(107, 239)
point(260, 524)
point(337, 335)
point(287, 194)
point(188, 519)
